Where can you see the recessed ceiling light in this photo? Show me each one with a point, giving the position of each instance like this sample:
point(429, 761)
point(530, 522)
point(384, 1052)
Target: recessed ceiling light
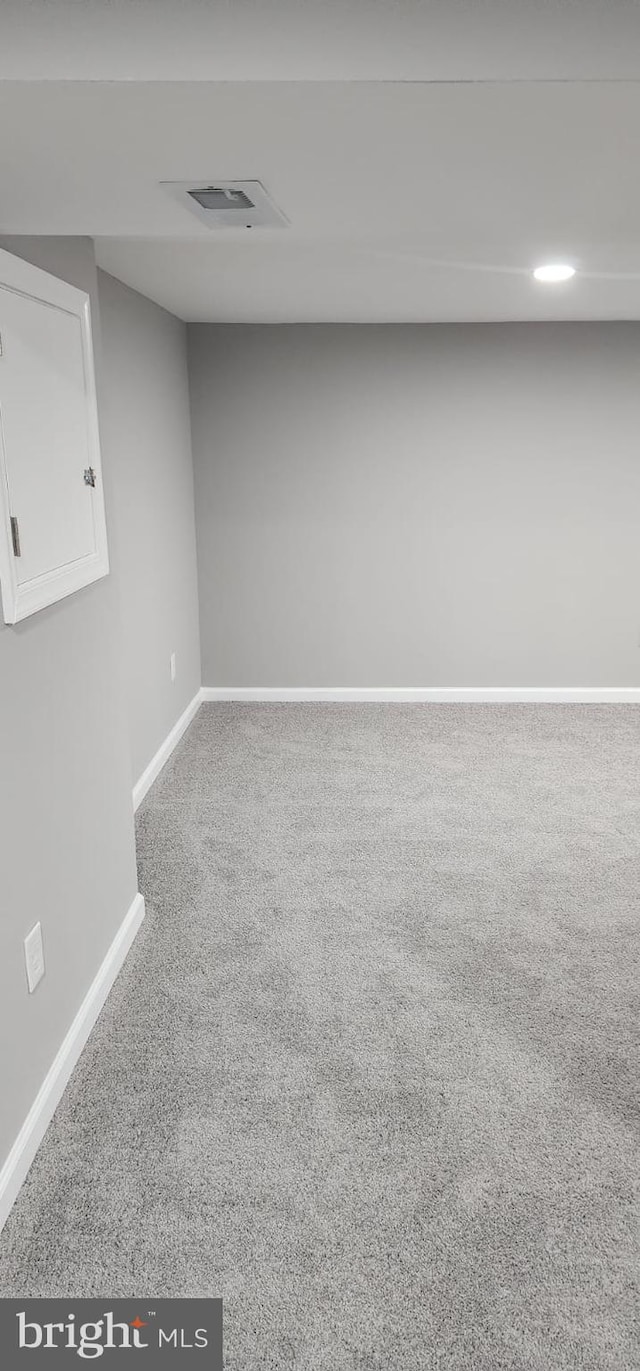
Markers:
point(555, 271)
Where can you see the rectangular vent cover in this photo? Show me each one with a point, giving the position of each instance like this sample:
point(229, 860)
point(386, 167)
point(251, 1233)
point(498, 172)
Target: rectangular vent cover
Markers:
point(227, 204)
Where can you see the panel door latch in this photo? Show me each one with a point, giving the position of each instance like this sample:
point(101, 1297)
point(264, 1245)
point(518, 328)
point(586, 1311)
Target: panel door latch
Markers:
point(15, 536)
point(89, 476)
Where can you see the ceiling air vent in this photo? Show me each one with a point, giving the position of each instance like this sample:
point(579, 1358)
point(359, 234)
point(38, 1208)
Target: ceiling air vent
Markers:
point(227, 204)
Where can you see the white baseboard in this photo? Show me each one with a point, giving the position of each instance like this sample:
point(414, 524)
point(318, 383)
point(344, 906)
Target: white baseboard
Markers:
point(431, 694)
point(145, 781)
point(43, 1108)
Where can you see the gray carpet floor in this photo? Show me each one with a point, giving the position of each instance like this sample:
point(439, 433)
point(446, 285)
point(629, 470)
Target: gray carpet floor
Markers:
point(371, 1071)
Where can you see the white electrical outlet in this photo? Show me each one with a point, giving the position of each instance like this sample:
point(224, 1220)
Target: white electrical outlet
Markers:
point(34, 957)
point(172, 663)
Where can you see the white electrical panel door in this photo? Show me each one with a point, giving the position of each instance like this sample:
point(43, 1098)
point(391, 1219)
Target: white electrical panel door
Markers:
point(53, 535)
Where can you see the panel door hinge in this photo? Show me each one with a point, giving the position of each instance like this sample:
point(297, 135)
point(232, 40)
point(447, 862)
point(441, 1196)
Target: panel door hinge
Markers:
point(89, 476)
point(15, 536)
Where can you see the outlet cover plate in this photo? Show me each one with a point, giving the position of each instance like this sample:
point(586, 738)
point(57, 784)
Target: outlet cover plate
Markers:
point(34, 957)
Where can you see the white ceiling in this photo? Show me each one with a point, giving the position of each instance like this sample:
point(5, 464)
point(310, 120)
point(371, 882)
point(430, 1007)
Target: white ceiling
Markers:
point(408, 200)
point(325, 40)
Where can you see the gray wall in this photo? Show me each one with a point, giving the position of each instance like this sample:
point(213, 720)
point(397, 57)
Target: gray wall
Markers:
point(418, 506)
point(66, 826)
point(146, 432)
